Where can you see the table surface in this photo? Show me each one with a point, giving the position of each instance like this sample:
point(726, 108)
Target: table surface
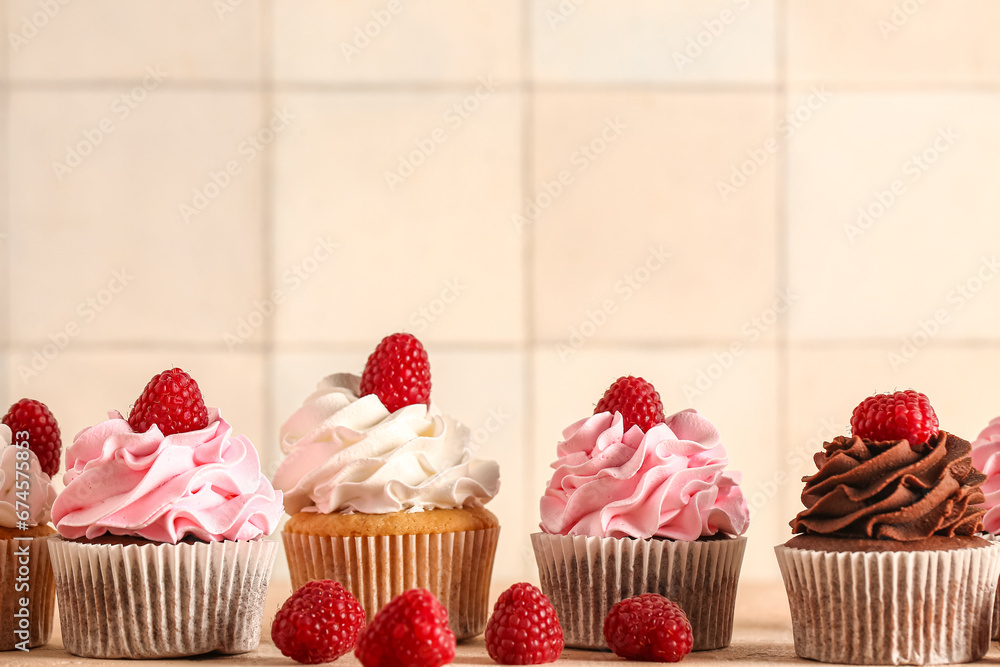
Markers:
point(762, 635)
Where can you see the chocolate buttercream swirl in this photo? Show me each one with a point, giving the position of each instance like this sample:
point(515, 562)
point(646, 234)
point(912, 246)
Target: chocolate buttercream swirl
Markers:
point(890, 490)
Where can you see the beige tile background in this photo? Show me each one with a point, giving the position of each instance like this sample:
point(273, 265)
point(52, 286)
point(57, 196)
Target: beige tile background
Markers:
point(550, 194)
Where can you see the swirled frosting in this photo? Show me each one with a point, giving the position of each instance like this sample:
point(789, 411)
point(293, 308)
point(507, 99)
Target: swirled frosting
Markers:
point(40, 492)
point(986, 458)
point(669, 481)
point(204, 484)
point(346, 453)
point(891, 490)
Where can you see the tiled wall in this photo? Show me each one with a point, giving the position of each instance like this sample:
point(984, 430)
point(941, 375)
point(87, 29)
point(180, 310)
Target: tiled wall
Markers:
point(549, 193)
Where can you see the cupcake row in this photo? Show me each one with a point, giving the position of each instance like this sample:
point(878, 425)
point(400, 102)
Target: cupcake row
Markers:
point(164, 512)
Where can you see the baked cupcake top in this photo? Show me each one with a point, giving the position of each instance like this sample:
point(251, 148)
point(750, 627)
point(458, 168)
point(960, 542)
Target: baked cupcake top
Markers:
point(30, 447)
point(31, 504)
point(896, 478)
point(173, 470)
point(986, 458)
point(375, 444)
point(627, 471)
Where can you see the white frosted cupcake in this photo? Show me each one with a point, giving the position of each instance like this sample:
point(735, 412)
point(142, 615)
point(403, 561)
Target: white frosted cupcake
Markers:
point(27, 588)
point(641, 503)
point(162, 520)
point(388, 498)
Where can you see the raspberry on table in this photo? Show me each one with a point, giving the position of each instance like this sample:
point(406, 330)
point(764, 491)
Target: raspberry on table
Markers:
point(398, 372)
point(42, 429)
point(636, 400)
point(897, 416)
point(320, 622)
point(411, 631)
point(524, 628)
point(648, 627)
point(172, 401)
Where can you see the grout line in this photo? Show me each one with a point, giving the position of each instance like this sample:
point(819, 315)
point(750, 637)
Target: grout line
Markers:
point(528, 277)
point(267, 226)
point(782, 370)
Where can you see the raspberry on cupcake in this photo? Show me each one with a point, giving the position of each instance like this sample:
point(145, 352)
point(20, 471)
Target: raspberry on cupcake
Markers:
point(630, 487)
point(385, 492)
point(886, 545)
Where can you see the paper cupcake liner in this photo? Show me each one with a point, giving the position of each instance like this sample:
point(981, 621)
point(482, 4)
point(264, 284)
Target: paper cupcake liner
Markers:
point(26, 573)
point(455, 567)
point(585, 576)
point(891, 608)
point(995, 633)
point(161, 600)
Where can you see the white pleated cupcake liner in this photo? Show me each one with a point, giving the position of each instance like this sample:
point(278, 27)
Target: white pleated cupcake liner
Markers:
point(28, 577)
point(455, 567)
point(995, 633)
point(161, 600)
point(891, 607)
point(585, 576)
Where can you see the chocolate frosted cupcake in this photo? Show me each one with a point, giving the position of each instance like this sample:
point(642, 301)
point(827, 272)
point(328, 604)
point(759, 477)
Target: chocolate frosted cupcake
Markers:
point(887, 568)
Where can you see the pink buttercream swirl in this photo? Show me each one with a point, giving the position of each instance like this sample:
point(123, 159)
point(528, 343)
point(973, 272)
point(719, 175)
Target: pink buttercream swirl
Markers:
point(986, 458)
point(205, 484)
point(666, 482)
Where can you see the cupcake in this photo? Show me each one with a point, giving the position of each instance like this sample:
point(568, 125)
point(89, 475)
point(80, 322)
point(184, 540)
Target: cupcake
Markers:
point(29, 454)
point(886, 567)
point(384, 491)
point(641, 503)
point(162, 522)
point(986, 459)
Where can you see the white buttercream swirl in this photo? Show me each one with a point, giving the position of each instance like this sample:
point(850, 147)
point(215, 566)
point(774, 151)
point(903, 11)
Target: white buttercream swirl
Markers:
point(39, 494)
point(347, 453)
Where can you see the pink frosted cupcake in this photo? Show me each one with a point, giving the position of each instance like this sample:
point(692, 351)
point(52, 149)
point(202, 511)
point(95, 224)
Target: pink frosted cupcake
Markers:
point(986, 458)
point(641, 503)
point(162, 522)
point(30, 445)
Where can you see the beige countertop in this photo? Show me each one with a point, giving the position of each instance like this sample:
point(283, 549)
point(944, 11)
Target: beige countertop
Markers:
point(762, 636)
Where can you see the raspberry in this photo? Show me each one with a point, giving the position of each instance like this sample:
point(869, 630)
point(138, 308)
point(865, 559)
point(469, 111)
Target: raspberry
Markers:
point(398, 373)
point(43, 431)
point(172, 401)
point(319, 623)
point(636, 400)
point(411, 631)
point(524, 628)
point(648, 627)
point(902, 415)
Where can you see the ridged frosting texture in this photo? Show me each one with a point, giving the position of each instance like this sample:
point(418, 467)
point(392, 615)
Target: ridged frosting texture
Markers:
point(40, 492)
point(346, 453)
point(890, 490)
point(670, 481)
point(986, 458)
point(206, 484)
